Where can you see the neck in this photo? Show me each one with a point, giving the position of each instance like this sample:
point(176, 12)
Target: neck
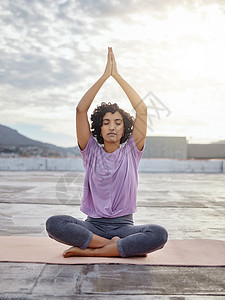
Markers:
point(111, 147)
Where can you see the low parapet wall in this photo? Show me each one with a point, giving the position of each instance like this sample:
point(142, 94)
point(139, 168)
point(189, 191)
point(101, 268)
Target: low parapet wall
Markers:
point(41, 164)
point(146, 165)
point(182, 166)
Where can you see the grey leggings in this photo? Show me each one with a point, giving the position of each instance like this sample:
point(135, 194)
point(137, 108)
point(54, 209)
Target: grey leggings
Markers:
point(134, 240)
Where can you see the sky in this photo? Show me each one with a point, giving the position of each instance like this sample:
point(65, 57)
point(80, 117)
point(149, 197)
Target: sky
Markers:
point(171, 52)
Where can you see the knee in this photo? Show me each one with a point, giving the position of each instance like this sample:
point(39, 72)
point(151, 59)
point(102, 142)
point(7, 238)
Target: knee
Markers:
point(163, 235)
point(159, 233)
point(52, 223)
point(49, 222)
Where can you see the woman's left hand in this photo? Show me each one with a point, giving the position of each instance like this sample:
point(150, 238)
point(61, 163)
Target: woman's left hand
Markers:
point(114, 71)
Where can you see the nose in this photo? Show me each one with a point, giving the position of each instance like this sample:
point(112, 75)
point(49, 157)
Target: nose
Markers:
point(111, 127)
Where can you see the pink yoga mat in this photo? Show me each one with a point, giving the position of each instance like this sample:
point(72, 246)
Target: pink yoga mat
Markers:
point(192, 252)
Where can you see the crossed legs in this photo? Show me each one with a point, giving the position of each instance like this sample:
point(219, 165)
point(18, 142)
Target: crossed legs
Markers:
point(98, 246)
point(87, 240)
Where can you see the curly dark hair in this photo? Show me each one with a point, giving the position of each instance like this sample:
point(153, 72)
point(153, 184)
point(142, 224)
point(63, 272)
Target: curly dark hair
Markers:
point(97, 121)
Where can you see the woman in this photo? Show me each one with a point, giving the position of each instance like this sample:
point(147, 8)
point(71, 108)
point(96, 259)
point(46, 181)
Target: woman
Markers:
point(111, 179)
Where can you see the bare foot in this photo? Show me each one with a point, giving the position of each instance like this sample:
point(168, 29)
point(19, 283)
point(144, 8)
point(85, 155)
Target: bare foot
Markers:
point(73, 251)
point(76, 251)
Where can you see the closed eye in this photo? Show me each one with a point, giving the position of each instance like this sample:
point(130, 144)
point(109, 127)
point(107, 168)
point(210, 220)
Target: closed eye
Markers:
point(108, 123)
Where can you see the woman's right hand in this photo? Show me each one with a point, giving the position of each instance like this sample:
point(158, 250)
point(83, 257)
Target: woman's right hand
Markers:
point(108, 68)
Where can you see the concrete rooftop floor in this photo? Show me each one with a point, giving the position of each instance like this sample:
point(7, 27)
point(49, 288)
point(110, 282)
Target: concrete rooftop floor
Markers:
point(188, 205)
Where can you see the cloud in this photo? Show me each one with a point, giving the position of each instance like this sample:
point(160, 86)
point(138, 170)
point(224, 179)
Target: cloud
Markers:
point(52, 51)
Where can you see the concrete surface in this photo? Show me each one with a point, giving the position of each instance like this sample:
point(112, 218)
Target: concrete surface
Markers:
point(188, 205)
point(146, 165)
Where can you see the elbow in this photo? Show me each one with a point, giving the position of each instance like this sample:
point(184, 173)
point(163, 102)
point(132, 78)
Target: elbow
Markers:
point(142, 109)
point(82, 107)
point(79, 109)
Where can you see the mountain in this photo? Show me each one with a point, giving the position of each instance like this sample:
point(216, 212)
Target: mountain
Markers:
point(10, 136)
point(13, 143)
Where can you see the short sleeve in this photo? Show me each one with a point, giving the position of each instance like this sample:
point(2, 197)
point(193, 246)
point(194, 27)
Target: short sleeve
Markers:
point(86, 153)
point(135, 151)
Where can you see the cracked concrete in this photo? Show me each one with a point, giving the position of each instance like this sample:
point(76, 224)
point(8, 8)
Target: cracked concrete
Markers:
point(188, 205)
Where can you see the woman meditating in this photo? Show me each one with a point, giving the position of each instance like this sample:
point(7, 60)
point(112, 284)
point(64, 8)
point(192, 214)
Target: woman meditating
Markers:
point(111, 153)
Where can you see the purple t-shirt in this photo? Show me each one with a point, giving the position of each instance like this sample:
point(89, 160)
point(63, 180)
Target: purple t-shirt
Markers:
point(111, 179)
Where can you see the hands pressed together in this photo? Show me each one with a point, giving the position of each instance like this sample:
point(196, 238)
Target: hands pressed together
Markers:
point(111, 68)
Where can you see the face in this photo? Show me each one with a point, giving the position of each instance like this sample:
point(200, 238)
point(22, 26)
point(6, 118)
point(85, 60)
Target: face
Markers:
point(112, 127)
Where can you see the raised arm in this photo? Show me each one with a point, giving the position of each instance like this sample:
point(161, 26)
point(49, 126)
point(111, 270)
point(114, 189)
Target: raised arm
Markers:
point(140, 124)
point(82, 124)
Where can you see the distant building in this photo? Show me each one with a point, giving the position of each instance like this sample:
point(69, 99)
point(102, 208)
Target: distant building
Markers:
point(206, 151)
point(165, 147)
point(177, 147)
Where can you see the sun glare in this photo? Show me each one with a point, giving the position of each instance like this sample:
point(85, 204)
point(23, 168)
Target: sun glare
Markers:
point(194, 39)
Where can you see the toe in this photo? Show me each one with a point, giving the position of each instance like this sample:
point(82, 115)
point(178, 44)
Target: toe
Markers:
point(66, 253)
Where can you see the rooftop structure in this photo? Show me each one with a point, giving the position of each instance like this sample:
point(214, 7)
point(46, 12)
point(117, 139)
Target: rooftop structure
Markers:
point(189, 206)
